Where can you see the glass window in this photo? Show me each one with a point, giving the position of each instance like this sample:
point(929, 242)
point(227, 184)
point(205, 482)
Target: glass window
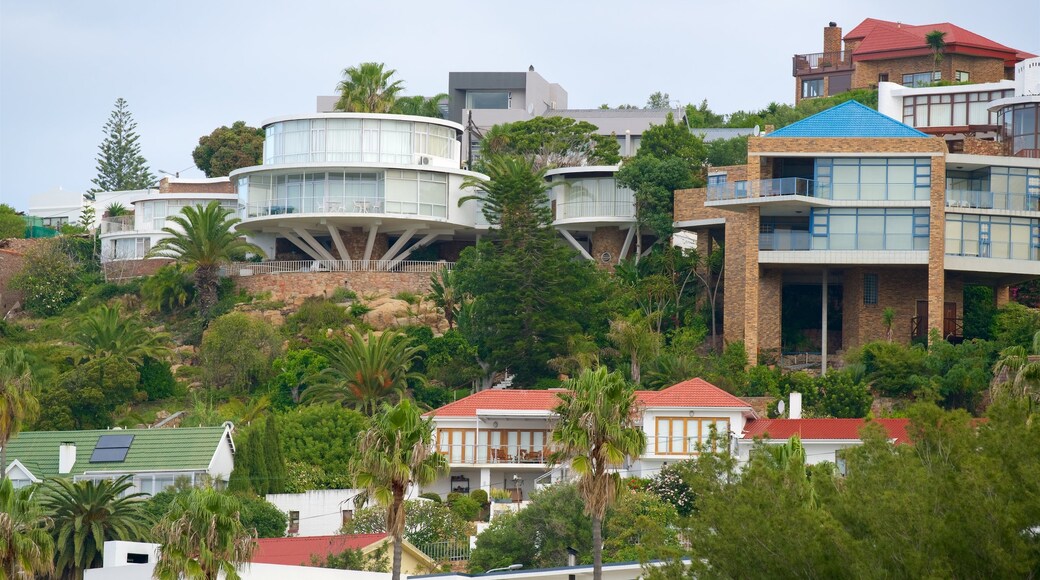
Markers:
point(487, 99)
point(812, 88)
point(961, 76)
point(870, 289)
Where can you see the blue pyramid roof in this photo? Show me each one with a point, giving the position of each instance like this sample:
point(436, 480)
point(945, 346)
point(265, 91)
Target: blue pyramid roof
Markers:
point(849, 119)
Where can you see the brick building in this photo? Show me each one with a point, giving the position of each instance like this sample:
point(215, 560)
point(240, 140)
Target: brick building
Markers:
point(879, 51)
point(847, 213)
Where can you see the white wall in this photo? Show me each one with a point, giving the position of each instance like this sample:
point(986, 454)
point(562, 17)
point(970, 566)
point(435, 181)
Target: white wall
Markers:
point(223, 461)
point(321, 511)
point(816, 451)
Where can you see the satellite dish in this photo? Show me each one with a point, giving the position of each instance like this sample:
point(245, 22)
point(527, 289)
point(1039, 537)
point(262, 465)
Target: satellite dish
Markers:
point(780, 407)
point(757, 131)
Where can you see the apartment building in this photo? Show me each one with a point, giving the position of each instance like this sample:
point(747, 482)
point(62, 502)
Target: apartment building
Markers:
point(878, 51)
point(841, 216)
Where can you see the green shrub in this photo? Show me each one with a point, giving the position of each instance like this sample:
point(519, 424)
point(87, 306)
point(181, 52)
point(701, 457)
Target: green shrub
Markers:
point(341, 294)
point(317, 315)
point(49, 279)
point(452, 497)
point(431, 496)
point(156, 379)
point(1015, 325)
point(466, 508)
point(894, 370)
point(357, 310)
point(236, 352)
point(762, 381)
point(480, 496)
point(842, 397)
point(409, 297)
point(296, 370)
point(169, 289)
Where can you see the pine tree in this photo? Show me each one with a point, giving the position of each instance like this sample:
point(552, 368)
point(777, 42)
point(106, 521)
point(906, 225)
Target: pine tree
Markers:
point(257, 462)
point(120, 165)
point(275, 461)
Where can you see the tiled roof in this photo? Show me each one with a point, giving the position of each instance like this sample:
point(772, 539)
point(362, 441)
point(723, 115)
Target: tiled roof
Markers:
point(879, 37)
point(182, 449)
point(849, 119)
point(298, 551)
point(847, 429)
point(864, 28)
point(691, 393)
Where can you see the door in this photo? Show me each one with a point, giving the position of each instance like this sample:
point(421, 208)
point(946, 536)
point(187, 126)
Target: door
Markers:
point(919, 327)
point(950, 320)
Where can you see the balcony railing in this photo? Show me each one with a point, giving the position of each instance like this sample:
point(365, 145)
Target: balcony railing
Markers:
point(595, 209)
point(495, 454)
point(113, 225)
point(785, 241)
point(819, 62)
point(762, 188)
point(345, 205)
point(990, 200)
point(309, 266)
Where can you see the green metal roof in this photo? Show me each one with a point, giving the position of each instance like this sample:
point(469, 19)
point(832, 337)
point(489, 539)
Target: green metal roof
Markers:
point(181, 449)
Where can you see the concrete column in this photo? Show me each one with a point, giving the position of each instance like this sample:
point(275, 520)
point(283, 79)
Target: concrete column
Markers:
point(823, 324)
point(1002, 294)
point(485, 479)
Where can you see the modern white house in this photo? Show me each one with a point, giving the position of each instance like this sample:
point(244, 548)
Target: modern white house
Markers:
point(593, 213)
point(155, 458)
point(318, 512)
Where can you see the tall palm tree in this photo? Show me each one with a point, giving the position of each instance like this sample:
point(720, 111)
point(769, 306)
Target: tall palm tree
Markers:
point(18, 402)
point(420, 105)
point(634, 337)
point(394, 453)
point(202, 535)
point(203, 238)
point(365, 370)
point(366, 88)
point(936, 41)
point(26, 547)
point(445, 295)
point(89, 513)
point(105, 333)
point(596, 433)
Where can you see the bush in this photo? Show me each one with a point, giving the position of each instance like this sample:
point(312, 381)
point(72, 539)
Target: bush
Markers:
point(1015, 325)
point(317, 315)
point(169, 289)
point(237, 351)
point(893, 369)
point(842, 397)
point(762, 381)
point(431, 496)
point(409, 297)
point(480, 496)
point(322, 436)
point(342, 294)
point(466, 508)
point(156, 379)
point(50, 278)
point(426, 522)
point(296, 370)
point(357, 310)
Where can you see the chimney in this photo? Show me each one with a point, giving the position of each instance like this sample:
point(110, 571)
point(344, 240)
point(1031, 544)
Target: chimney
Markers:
point(66, 457)
point(794, 410)
point(572, 556)
point(832, 38)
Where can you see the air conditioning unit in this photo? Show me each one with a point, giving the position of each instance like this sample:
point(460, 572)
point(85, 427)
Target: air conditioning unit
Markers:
point(424, 160)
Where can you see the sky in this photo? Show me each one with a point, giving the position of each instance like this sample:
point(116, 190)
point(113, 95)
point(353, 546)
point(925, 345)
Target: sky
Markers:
point(189, 66)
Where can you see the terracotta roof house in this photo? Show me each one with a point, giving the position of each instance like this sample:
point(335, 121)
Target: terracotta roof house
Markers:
point(879, 51)
point(156, 458)
point(822, 439)
point(299, 551)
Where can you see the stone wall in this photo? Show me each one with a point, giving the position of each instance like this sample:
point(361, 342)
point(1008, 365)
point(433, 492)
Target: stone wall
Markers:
point(166, 186)
point(975, 146)
point(293, 287)
point(122, 270)
point(608, 240)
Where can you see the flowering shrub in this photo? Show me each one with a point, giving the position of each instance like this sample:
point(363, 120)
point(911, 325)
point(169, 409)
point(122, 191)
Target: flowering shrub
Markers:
point(670, 486)
point(49, 280)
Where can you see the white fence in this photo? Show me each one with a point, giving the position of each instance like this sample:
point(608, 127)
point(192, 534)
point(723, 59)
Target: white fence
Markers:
point(296, 266)
point(449, 551)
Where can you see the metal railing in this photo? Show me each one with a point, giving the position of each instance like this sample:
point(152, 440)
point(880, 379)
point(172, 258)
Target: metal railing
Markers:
point(308, 266)
point(990, 200)
point(762, 188)
point(447, 551)
point(785, 241)
point(589, 209)
point(820, 61)
point(511, 454)
point(345, 205)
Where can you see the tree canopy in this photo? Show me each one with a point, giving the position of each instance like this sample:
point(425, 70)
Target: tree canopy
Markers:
point(547, 142)
point(367, 88)
point(120, 164)
point(229, 148)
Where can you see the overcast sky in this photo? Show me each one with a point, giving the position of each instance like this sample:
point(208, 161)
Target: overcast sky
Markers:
point(189, 66)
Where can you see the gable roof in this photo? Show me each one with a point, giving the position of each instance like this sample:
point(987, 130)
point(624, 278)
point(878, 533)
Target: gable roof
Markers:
point(826, 429)
point(849, 119)
point(181, 449)
point(298, 551)
point(691, 393)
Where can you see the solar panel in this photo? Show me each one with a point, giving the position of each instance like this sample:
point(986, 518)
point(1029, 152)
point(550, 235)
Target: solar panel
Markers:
point(114, 441)
point(109, 455)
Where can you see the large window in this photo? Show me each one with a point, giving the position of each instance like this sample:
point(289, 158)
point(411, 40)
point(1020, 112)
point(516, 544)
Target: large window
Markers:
point(686, 435)
point(488, 99)
point(869, 229)
point(852, 178)
point(593, 197)
point(1020, 130)
point(952, 110)
point(393, 191)
point(1006, 188)
point(354, 140)
point(812, 88)
point(923, 79)
point(992, 236)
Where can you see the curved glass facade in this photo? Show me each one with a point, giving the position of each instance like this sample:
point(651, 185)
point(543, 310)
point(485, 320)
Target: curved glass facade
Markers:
point(423, 193)
point(357, 140)
point(590, 197)
point(1020, 130)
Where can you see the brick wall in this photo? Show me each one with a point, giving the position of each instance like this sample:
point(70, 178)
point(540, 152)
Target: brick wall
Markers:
point(979, 69)
point(898, 288)
point(165, 186)
point(292, 288)
point(759, 146)
point(975, 146)
point(611, 240)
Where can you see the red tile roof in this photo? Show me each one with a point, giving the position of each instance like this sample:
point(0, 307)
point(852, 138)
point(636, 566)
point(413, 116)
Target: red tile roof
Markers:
point(298, 551)
point(881, 38)
point(808, 429)
point(691, 393)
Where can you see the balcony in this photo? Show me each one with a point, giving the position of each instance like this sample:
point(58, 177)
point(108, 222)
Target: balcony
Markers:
point(789, 240)
point(990, 200)
point(762, 188)
point(345, 205)
point(820, 62)
point(112, 225)
point(511, 454)
point(595, 209)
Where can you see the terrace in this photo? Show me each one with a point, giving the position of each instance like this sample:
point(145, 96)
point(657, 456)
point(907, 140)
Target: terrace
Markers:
point(820, 62)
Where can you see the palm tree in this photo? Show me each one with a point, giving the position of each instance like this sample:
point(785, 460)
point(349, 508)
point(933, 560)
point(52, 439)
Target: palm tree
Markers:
point(1021, 376)
point(937, 43)
point(420, 105)
point(105, 333)
point(88, 513)
point(596, 433)
point(26, 548)
point(18, 402)
point(444, 294)
point(168, 289)
point(204, 238)
point(394, 453)
point(202, 536)
point(634, 337)
point(366, 88)
point(365, 370)
point(116, 209)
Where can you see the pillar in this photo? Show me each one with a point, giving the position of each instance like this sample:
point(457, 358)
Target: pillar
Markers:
point(485, 479)
point(823, 324)
point(751, 284)
point(937, 245)
point(1002, 294)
